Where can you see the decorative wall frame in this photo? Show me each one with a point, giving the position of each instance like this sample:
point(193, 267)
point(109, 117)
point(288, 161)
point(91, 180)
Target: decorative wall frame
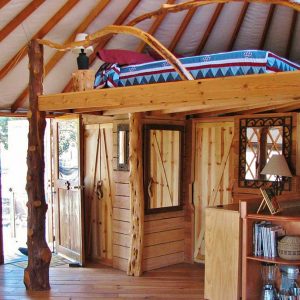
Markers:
point(123, 147)
point(285, 125)
point(163, 166)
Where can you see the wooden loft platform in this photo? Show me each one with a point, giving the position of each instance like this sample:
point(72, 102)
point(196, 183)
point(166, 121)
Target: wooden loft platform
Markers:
point(261, 91)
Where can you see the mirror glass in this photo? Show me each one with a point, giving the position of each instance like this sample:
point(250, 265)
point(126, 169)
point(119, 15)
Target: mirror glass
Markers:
point(123, 147)
point(260, 138)
point(163, 160)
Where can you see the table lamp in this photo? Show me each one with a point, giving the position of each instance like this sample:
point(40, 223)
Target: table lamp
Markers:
point(277, 166)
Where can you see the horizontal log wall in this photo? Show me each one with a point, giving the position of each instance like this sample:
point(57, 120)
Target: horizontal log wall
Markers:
point(121, 209)
point(164, 239)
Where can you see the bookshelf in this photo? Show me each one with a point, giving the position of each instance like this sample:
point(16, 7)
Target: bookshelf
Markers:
point(289, 218)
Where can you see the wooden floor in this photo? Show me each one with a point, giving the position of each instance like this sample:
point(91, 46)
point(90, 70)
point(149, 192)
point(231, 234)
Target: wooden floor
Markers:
point(181, 281)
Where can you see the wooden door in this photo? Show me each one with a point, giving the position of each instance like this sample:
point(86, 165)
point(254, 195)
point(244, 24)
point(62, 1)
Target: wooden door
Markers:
point(213, 173)
point(98, 162)
point(68, 208)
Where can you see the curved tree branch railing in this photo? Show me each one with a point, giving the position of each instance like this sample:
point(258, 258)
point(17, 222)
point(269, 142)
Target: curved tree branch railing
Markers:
point(174, 8)
point(146, 37)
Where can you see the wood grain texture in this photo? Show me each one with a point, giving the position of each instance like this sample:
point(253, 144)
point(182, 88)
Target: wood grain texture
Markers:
point(239, 90)
point(213, 179)
point(36, 275)
point(194, 3)
point(155, 25)
point(222, 254)
point(182, 281)
point(138, 33)
point(97, 9)
point(136, 195)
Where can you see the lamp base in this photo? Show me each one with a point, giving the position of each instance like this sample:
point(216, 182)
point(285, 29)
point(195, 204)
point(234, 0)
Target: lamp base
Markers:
point(82, 61)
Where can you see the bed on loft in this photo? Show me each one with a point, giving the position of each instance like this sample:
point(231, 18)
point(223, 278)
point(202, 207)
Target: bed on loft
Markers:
point(230, 79)
point(234, 63)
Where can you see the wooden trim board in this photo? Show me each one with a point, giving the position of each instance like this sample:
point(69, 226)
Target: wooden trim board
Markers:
point(247, 89)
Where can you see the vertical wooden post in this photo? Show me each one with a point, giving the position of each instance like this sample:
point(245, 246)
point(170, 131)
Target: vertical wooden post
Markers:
point(136, 195)
point(36, 275)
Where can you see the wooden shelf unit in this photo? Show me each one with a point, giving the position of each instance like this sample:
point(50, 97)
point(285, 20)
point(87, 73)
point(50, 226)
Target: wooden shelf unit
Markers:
point(251, 265)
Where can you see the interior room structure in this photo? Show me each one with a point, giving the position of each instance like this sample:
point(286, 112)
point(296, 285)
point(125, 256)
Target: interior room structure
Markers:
point(162, 157)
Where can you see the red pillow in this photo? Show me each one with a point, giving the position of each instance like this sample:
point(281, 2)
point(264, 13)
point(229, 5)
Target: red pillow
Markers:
point(123, 57)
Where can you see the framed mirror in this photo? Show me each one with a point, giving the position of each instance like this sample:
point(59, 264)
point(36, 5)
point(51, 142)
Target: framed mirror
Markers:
point(123, 147)
point(163, 158)
point(260, 138)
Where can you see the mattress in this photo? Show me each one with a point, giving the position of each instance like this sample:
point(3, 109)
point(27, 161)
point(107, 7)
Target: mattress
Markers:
point(225, 64)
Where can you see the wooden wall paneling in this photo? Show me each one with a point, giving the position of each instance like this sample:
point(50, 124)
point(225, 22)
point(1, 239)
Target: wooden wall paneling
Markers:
point(213, 165)
point(222, 259)
point(164, 239)
point(91, 177)
point(121, 208)
point(189, 171)
point(98, 191)
point(106, 201)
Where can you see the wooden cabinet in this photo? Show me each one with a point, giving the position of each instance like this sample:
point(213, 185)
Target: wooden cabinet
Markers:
point(289, 219)
point(222, 253)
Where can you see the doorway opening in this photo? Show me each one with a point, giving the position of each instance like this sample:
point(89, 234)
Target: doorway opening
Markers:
point(13, 154)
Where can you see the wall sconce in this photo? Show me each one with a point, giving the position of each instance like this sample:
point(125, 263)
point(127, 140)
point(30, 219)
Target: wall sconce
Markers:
point(123, 147)
point(82, 59)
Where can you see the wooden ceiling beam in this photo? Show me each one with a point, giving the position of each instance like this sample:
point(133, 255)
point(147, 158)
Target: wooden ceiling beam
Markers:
point(41, 33)
point(152, 30)
point(182, 28)
point(238, 26)
point(3, 3)
point(196, 3)
point(238, 90)
point(91, 16)
point(17, 20)
point(209, 28)
point(256, 108)
point(288, 107)
point(267, 26)
point(291, 34)
point(120, 20)
point(187, 110)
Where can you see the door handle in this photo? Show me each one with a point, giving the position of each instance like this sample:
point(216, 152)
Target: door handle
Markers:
point(78, 187)
point(68, 184)
point(151, 181)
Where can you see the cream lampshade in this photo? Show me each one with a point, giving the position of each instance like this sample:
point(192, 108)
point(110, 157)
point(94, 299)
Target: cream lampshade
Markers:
point(277, 165)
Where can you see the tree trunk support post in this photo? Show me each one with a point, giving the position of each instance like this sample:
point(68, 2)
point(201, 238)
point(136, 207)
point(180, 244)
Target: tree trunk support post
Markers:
point(136, 195)
point(36, 275)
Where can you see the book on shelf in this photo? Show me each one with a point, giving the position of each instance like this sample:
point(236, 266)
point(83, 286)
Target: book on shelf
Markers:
point(265, 236)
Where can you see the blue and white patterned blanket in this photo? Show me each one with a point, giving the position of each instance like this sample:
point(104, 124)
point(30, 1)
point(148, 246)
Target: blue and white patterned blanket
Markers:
point(233, 63)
